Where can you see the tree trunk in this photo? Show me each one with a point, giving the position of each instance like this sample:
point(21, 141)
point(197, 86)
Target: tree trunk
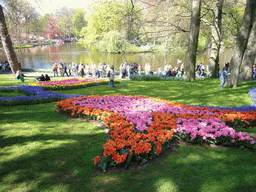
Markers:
point(216, 40)
point(249, 56)
point(241, 43)
point(193, 40)
point(7, 44)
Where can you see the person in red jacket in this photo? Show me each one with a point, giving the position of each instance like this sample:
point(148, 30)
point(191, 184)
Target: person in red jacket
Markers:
point(254, 71)
point(55, 69)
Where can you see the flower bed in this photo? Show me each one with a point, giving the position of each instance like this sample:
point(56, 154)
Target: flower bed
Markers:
point(142, 127)
point(70, 83)
point(33, 95)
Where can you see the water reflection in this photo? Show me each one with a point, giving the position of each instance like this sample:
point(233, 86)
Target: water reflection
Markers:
point(43, 57)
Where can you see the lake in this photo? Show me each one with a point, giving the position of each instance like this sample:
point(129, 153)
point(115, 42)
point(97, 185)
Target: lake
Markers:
point(43, 57)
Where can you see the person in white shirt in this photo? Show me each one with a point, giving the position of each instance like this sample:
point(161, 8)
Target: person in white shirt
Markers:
point(87, 70)
point(93, 70)
point(100, 69)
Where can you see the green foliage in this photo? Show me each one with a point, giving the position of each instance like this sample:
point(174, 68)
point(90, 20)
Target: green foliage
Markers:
point(79, 20)
point(109, 26)
point(203, 42)
point(64, 18)
point(231, 22)
point(113, 43)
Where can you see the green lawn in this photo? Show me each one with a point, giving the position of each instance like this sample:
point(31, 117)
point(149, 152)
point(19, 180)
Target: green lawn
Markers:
point(201, 92)
point(44, 151)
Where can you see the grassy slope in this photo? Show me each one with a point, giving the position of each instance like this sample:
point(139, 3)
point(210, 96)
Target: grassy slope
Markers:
point(44, 151)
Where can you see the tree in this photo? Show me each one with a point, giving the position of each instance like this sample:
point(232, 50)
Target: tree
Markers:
point(249, 56)
point(52, 31)
point(241, 43)
point(193, 40)
point(109, 16)
point(7, 44)
point(79, 21)
point(30, 15)
point(166, 22)
point(64, 17)
point(15, 10)
point(216, 32)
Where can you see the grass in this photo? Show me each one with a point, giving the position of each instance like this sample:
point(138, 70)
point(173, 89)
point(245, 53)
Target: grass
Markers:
point(41, 150)
point(9, 80)
point(201, 92)
point(10, 93)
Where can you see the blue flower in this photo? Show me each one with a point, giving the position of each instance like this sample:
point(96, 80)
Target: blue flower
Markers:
point(33, 93)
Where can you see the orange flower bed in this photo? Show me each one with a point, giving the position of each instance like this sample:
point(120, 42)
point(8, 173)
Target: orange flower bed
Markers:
point(127, 142)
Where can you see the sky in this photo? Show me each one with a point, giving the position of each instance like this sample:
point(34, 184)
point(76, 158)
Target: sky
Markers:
point(50, 6)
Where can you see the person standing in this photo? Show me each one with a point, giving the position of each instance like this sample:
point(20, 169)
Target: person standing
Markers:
point(87, 70)
point(61, 68)
point(223, 76)
point(112, 76)
point(254, 71)
point(55, 70)
point(140, 69)
point(100, 69)
point(93, 70)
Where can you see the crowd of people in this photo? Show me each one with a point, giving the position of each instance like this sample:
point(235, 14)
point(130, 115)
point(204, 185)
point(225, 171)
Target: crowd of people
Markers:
point(81, 69)
point(100, 71)
point(126, 69)
point(5, 67)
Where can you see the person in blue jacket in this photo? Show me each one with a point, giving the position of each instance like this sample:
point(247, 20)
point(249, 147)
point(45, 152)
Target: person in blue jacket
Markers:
point(223, 76)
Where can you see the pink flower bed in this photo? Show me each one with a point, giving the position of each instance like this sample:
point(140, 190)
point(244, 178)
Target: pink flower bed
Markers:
point(142, 127)
point(139, 110)
point(69, 81)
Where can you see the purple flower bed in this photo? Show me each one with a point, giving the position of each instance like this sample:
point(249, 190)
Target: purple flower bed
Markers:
point(34, 94)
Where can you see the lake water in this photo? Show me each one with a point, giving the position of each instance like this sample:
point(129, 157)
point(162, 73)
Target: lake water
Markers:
point(43, 57)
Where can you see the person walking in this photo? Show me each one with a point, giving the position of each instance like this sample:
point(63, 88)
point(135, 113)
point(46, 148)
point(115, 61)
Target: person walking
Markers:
point(223, 76)
point(111, 76)
point(65, 70)
point(69, 68)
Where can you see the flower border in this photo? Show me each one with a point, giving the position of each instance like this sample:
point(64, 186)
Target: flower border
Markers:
point(64, 84)
point(128, 143)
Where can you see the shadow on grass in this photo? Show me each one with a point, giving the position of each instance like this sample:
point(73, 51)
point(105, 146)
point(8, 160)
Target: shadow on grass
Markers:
point(44, 151)
point(189, 168)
